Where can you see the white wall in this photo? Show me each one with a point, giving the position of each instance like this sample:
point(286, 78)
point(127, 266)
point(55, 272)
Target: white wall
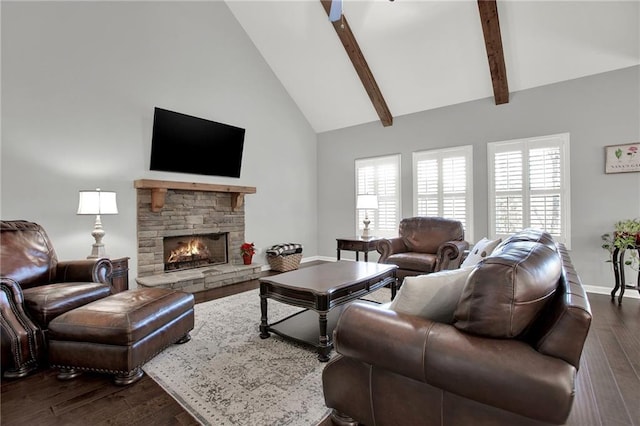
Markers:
point(597, 111)
point(79, 84)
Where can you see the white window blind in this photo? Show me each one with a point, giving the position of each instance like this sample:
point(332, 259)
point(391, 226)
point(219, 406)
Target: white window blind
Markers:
point(529, 186)
point(443, 185)
point(379, 176)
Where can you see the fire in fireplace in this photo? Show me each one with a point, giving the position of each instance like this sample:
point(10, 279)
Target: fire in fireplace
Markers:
point(194, 251)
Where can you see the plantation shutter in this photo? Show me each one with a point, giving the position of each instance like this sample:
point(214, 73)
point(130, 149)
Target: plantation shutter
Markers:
point(379, 176)
point(529, 186)
point(442, 185)
point(546, 196)
point(508, 192)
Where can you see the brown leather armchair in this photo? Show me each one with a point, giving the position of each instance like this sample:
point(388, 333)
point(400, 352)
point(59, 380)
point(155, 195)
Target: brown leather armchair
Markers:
point(425, 245)
point(510, 357)
point(35, 288)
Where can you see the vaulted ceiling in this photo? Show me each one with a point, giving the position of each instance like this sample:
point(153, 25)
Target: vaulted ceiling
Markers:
point(426, 54)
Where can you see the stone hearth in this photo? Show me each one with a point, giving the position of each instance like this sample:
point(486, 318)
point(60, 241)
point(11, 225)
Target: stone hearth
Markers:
point(190, 209)
point(199, 279)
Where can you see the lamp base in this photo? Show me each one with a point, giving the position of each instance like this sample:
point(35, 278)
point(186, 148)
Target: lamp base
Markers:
point(365, 231)
point(97, 252)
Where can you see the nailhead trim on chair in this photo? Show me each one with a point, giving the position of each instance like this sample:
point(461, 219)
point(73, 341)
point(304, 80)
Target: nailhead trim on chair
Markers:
point(16, 350)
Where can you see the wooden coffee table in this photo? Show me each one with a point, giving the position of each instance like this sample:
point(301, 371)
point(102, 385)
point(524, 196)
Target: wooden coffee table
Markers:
point(319, 289)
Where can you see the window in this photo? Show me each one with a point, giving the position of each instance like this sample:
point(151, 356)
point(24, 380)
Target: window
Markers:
point(529, 186)
point(379, 176)
point(443, 185)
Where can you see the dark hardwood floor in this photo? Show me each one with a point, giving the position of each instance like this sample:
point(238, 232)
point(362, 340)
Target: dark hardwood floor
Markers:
point(607, 388)
point(608, 382)
point(92, 399)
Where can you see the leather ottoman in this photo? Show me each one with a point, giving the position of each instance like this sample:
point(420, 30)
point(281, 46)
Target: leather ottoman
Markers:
point(119, 333)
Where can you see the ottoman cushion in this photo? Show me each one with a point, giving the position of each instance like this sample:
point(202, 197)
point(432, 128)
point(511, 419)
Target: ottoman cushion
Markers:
point(122, 319)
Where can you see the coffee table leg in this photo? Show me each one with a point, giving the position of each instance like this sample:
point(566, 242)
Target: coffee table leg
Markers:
point(264, 327)
point(394, 288)
point(324, 348)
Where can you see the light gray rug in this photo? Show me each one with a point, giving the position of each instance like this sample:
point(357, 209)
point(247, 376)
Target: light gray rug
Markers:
point(227, 375)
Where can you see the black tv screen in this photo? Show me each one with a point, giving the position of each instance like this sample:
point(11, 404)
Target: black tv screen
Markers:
point(187, 144)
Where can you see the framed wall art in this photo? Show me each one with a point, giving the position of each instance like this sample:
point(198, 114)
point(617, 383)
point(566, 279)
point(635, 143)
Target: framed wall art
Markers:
point(622, 158)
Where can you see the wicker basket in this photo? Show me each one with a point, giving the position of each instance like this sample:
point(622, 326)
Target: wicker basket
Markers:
point(284, 263)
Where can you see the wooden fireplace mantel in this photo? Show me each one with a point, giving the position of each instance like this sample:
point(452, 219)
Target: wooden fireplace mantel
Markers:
point(159, 190)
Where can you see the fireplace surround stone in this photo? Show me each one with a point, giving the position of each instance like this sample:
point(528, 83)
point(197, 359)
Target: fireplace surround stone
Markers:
point(203, 209)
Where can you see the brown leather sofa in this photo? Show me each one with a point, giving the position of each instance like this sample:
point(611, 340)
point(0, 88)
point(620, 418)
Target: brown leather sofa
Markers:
point(510, 357)
point(424, 245)
point(35, 289)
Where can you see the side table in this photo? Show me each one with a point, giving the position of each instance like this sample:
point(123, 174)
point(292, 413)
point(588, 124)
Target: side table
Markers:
point(357, 244)
point(120, 274)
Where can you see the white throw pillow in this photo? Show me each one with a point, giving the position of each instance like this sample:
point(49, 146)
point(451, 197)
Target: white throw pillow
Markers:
point(433, 296)
point(482, 249)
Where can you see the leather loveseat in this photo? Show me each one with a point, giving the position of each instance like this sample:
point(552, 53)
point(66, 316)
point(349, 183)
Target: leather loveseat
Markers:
point(35, 289)
point(509, 357)
point(424, 245)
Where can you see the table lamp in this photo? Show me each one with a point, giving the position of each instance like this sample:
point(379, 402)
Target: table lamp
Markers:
point(366, 202)
point(97, 202)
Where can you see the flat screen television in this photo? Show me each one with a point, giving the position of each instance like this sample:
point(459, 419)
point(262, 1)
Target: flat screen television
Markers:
point(186, 144)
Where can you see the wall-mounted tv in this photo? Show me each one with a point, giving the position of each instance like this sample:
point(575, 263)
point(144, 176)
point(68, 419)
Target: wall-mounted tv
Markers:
point(186, 144)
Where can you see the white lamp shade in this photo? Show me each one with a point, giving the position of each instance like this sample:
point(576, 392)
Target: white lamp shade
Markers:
point(367, 201)
point(97, 202)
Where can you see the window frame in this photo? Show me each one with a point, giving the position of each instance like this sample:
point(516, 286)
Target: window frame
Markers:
point(525, 145)
point(378, 161)
point(465, 151)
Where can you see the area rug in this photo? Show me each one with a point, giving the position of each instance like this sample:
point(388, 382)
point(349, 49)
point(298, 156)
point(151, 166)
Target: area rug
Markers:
point(228, 375)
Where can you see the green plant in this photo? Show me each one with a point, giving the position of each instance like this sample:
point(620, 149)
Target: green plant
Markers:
point(626, 235)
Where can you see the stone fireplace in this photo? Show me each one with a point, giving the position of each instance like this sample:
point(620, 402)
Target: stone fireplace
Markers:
point(189, 235)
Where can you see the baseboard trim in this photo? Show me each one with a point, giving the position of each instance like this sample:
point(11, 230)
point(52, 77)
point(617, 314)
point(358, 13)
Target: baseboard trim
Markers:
point(304, 260)
point(630, 293)
point(323, 258)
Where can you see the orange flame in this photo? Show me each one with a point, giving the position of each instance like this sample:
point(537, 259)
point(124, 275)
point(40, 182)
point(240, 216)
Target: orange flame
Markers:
point(185, 250)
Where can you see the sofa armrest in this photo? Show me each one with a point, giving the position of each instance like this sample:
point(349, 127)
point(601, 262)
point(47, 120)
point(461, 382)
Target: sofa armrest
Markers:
point(89, 270)
point(449, 255)
point(12, 290)
point(388, 246)
point(505, 373)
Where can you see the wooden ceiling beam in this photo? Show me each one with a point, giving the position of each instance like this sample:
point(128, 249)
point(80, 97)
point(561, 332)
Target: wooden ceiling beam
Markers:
point(360, 64)
point(495, 54)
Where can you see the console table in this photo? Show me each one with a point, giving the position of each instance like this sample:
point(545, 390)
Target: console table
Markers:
point(357, 244)
point(618, 269)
